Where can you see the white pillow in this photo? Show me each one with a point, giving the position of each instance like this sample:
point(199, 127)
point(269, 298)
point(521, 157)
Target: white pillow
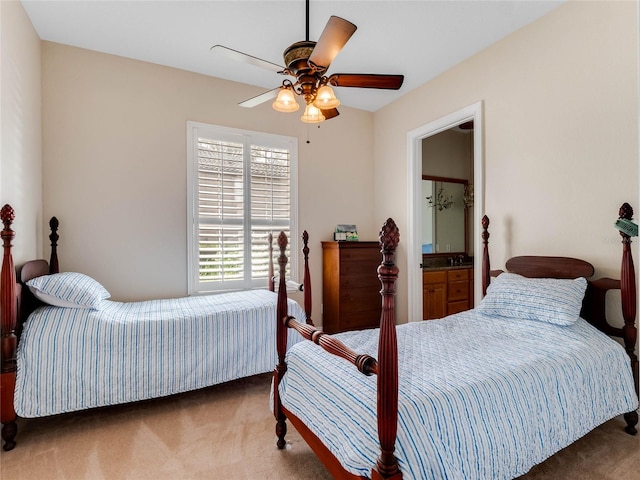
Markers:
point(551, 300)
point(68, 289)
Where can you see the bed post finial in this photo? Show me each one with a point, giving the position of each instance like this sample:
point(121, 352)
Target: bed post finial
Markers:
point(53, 261)
point(626, 211)
point(8, 342)
point(387, 463)
point(486, 264)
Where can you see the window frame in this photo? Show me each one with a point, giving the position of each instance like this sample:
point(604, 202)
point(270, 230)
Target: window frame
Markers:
point(247, 138)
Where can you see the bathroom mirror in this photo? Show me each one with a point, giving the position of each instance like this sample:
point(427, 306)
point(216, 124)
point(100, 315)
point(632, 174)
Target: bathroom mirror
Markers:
point(445, 221)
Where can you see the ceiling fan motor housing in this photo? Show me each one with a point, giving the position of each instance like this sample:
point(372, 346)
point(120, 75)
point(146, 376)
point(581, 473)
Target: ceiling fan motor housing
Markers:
point(296, 56)
point(296, 59)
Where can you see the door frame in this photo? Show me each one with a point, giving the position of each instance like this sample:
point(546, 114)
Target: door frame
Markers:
point(414, 201)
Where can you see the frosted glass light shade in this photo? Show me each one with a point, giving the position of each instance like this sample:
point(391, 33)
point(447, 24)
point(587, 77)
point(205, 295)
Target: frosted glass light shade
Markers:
point(286, 101)
point(325, 98)
point(312, 114)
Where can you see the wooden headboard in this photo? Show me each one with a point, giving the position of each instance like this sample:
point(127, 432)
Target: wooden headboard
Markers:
point(26, 302)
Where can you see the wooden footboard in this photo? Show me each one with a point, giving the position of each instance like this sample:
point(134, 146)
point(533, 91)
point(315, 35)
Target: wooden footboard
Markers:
point(386, 367)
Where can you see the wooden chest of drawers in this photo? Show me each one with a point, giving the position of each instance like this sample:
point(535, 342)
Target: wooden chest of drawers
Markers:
point(350, 286)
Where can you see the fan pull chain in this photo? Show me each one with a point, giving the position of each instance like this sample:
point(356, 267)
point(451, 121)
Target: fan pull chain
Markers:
point(309, 126)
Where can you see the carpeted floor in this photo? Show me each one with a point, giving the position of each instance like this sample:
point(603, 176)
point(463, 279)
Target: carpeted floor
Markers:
point(227, 432)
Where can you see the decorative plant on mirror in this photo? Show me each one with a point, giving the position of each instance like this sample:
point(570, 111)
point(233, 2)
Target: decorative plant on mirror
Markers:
point(467, 196)
point(442, 201)
point(445, 216)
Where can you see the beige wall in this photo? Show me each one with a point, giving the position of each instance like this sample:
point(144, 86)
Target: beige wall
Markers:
point(448, 154)
point(20, 117)
point(561, 147)
point(561, 135)
point(114, 143)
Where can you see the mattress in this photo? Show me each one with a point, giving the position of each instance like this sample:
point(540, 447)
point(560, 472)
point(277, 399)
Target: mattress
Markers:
point(72, 359)
point(479, 397)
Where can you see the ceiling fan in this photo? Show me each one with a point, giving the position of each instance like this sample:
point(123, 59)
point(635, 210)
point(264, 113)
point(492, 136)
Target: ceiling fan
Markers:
point(308, 61)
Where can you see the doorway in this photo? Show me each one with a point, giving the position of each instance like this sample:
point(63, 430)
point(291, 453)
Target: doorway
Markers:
point(415, 228)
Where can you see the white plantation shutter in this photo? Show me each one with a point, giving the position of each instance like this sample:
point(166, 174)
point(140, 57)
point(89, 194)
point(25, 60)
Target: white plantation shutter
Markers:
point(242, 187)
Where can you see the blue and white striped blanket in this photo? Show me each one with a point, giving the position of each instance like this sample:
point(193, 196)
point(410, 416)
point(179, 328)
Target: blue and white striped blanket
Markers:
point(72, 359)
point(479, 397)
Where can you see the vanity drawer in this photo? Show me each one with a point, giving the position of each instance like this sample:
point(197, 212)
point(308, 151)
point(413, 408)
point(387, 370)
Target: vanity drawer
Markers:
point(458, 275)
point(458, 290)
point(457, 307)
point(434, 277)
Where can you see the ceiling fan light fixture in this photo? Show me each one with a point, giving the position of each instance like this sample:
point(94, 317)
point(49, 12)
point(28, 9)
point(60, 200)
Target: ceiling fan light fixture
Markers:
point(286, 101)
point(325, 98)
point(312, 114)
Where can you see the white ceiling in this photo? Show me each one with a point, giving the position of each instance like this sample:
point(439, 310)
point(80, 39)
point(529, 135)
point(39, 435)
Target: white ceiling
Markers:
point(419, 39)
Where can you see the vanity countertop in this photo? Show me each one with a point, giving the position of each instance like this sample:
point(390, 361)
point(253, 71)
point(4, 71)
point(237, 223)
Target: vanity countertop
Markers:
point(445, 267)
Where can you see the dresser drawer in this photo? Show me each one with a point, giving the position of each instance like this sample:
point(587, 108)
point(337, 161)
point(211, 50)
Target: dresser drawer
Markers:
point(356, 299)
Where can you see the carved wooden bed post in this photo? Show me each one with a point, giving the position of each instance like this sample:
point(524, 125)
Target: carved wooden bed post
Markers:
point(486, 268)
point(8, 313)
point(387, 464)
point(628, 292)
point(307, 278)
point(281, 343)
point(272, 287)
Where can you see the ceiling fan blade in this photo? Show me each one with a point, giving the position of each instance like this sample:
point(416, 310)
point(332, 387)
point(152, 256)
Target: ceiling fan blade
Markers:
point(258, 99)
point(336, 33)
point(246, 58)
point(366, 80)
point(330, 113)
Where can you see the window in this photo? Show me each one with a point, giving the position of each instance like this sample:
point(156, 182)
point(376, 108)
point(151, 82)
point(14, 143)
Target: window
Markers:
point(242, 186)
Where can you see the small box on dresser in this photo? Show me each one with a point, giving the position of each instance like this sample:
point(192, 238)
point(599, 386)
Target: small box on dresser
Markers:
point(350, 286)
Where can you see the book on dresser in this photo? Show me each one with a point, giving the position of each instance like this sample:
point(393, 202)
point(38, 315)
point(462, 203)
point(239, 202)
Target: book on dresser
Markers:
point(350, 286)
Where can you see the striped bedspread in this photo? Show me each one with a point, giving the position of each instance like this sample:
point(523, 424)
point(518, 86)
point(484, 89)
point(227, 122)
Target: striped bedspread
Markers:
point(480, 398)
point(72, 359)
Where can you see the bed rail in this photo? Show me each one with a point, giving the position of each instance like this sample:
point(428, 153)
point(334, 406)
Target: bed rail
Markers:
point(363, 362)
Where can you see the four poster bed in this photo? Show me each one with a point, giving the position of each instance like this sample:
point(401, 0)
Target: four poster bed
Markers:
point(482, 394)
point(70, 348)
